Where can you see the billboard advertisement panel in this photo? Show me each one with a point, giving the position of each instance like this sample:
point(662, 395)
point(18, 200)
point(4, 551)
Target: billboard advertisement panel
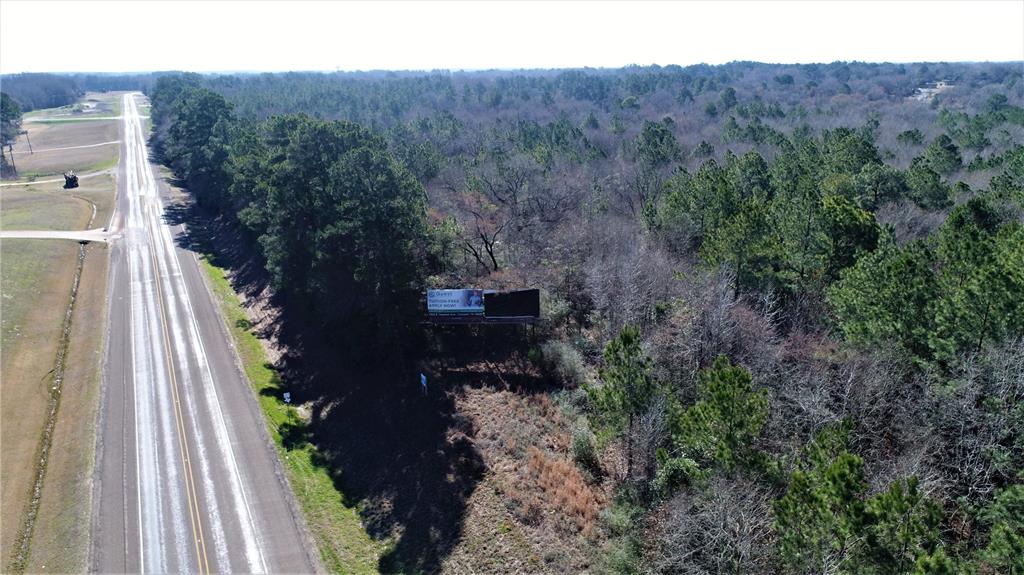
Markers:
point(455, 302)
point(523, 303)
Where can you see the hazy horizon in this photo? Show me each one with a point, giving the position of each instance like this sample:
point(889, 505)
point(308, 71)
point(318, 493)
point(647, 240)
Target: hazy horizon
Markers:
point(237, 37)
point(484, 70)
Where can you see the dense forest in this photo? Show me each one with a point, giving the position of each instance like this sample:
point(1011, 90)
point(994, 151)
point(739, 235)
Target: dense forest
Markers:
point(33, 91)
point(783, 305)
point(10, 129)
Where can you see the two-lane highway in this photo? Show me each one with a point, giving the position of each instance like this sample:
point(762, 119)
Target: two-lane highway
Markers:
point(186, 477)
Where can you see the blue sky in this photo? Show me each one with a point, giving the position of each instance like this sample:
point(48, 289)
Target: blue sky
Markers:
point(276, 36)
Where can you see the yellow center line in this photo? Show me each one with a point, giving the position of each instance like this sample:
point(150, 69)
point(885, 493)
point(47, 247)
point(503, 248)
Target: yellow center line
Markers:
point(190, 489)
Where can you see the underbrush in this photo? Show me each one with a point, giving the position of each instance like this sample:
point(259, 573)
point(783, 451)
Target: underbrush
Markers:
point(527, 442)
point(563, 487)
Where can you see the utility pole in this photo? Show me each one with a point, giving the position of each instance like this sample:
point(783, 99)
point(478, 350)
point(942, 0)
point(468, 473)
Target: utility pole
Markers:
point(27, 139)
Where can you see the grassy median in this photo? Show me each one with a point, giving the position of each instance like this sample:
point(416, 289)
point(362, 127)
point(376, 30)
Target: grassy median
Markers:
point(344, 545)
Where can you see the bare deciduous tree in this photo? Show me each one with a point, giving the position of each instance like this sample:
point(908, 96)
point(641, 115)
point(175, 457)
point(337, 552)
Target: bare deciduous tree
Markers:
point(722, 528)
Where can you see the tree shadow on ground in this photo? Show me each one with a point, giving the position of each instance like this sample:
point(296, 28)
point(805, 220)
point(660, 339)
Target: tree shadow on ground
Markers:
point(406, 459)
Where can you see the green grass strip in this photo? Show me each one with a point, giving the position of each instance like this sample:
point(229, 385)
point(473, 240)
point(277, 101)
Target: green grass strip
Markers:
point(344, 545)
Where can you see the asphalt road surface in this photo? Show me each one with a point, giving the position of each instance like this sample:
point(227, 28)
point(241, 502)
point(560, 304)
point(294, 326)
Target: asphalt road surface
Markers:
point(187, 479)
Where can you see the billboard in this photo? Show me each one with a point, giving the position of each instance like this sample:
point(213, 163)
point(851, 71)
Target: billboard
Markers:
point(523, 304)
point(448, 306)
point(460, 302)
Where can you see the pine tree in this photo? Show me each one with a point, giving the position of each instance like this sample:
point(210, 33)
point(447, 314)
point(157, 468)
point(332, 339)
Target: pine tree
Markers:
point(627, 389)
point(818, 518)
point(926, 187)
point(1005, 550)
point(943, 156)
point(901, 525)
point(981, 280)
point(886, 297)
point(850, 232)
point(746, 243)
point(721, 427)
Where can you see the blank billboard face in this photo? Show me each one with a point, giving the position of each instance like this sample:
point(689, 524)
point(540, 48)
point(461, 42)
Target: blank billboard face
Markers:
point(519, 303)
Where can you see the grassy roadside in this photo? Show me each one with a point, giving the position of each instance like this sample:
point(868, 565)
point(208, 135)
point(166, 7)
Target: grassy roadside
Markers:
point(60, 543)
point(50, 207)
point(344, 545)
point(98, 166)
point(35, 284)
point(35, 281)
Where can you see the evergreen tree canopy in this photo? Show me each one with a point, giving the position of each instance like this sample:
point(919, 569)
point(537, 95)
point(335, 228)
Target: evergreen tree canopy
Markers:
point(10, 119)
point(722, 426)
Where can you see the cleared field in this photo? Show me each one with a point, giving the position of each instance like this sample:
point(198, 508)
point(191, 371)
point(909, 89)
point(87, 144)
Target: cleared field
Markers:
point(61, 538)
point(35, 288)
point(92, 105)
point(58, 147)
point(35, 281)
point(50, 207)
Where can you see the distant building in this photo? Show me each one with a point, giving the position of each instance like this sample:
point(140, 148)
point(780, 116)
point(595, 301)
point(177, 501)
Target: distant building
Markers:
point(930, 90)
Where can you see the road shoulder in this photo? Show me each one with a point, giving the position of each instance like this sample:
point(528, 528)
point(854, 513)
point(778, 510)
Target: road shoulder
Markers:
point(339, 536)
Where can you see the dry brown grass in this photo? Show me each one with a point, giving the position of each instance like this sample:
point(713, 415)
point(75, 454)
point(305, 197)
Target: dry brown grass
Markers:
point(493, 542)
point(92, 105)
point(535, 509)
point(564, 489)
point(61, 538)
point(35, 282)
point(50, 207)
point(50, 135)
point(36, 277)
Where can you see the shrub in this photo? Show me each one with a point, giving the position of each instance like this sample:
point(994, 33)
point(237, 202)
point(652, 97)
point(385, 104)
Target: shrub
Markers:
point(724, 527)
point(674, 472)
point(623, 520)
point(525, 507)
point(572, 401)
point(584, 451)
point(562, 362)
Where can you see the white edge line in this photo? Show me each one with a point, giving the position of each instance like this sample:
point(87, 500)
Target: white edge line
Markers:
point(131, 324)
